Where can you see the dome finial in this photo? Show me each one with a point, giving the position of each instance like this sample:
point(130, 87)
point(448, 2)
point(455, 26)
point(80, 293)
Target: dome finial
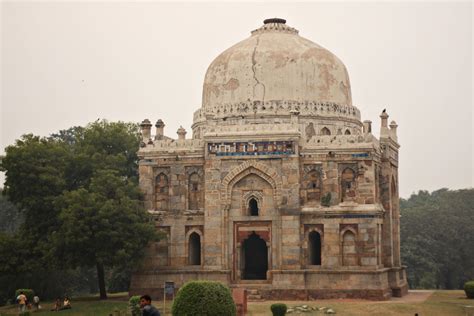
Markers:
point(274, 20)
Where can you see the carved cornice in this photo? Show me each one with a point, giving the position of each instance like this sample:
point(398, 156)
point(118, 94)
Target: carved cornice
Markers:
point(267, 131)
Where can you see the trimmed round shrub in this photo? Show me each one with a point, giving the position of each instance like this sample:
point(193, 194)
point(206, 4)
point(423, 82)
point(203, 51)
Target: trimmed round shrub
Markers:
point(203, 298)
point(278, 309)
point(134, 305)
point(28, 292)
point(469, 289)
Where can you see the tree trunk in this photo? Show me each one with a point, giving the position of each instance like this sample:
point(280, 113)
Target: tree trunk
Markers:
point(101, 279)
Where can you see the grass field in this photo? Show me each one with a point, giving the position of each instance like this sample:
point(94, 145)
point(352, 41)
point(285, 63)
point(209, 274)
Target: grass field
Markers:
point(438, 303)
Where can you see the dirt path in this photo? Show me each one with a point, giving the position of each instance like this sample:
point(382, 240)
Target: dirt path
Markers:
point(413, 296)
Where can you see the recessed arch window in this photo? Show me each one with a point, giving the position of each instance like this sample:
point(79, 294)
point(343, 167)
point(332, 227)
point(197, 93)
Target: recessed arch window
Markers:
point(348, 184)
point(195, 199)
point(161, 191)
point(325, 131)
point(253, 207)
point(194, 249)
point(347, 132)
point(314, 248)
point(349, 249)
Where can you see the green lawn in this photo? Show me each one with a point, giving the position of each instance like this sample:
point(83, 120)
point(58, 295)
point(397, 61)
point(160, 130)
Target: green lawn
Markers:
point(440, 303)
point(80, 306)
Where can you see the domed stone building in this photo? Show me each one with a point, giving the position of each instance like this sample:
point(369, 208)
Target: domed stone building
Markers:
point(282, 188)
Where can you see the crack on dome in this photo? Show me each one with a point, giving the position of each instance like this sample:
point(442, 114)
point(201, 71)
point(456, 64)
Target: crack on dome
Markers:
point(254, 70)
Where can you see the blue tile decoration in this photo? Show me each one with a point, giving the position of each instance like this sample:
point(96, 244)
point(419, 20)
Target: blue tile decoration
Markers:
point(251, 148)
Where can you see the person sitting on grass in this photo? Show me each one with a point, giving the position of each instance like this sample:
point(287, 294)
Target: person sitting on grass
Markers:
point(56, 305)
point(66, 303)
point(147, 308)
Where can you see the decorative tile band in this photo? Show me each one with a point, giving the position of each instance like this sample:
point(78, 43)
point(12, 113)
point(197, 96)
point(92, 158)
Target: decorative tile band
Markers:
point(251, 148)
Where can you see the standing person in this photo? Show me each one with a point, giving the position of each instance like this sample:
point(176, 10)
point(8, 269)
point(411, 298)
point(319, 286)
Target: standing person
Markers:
point(147, 308)
point(36, 302)
point(21, 299)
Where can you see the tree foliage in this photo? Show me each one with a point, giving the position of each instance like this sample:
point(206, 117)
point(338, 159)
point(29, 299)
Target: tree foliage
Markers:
point(10, 217)
point(78, 191)
point(203, 298)
point(437, 238)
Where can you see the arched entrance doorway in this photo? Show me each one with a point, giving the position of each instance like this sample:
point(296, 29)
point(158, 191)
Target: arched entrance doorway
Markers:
point(255, 255)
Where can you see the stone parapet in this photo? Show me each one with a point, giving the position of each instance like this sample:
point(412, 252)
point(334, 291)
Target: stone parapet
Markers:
point(172, 146)
point(345, 142)
point(277, 108)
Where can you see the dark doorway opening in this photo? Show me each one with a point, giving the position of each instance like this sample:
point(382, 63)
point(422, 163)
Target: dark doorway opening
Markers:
point(253, 207)
point(194, 246)
point(255, 255)
point(314, 248)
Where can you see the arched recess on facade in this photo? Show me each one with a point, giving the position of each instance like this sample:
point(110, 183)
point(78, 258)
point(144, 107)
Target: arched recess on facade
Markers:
point(312, 185)
point(195, 191)
point(161, 192)
point(349, 256)
point(314, 239)
point(245, 169)
point(194, 247)
point(195, 188)
point(348, 184)
point(251, 200)
point(394, 198)
point(393, 191)
point(253, 207)
point(394, 205)
point(325, 131)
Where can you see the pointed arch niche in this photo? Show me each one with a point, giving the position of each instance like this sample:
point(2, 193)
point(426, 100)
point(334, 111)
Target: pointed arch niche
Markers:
point(251, 176)
point(194, 242)
point(313, 245)
point(161, 184)
point(311, 189)
point(252, 203)
point(349, 245)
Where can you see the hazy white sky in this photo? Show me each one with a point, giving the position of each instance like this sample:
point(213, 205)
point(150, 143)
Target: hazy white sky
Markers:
point(69, 63)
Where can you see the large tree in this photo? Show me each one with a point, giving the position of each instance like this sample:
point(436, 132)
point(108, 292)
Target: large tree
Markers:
point(79, 193)
point(437, 238)
point(35, 176)
point(102, 226)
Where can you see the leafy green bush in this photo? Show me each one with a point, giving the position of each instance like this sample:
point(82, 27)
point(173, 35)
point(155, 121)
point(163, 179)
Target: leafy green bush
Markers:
point(203, 298)
point(278, 309)
point(134, 305)
point(28, 292)
point(326, 199)
point(469, 289)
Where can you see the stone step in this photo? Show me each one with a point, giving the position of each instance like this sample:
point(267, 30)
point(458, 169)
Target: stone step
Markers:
point(253, 292)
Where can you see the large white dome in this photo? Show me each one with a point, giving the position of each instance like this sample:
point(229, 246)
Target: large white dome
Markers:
point(276, 64)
